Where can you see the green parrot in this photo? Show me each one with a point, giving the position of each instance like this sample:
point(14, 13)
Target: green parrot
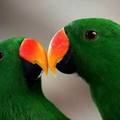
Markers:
point(21, 98)
point(90, 47)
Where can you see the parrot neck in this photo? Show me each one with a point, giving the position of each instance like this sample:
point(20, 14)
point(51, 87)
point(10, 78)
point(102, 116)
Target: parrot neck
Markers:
point(107, 100)
point(105, 91)
point(28, 104)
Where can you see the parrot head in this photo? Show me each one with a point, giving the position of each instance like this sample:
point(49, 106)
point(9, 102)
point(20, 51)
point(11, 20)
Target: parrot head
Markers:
point(21, 62)
point(89, 47)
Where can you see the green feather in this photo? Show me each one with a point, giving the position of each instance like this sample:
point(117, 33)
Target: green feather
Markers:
point(17, 101)
point(98, 61)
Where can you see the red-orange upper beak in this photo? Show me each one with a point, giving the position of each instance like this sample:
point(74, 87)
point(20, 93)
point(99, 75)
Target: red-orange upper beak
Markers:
point(32, 51)
point(58, 47)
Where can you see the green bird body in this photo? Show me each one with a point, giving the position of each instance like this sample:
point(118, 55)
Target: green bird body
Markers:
point(97, 61)
point(17, 100)
point(94, 45)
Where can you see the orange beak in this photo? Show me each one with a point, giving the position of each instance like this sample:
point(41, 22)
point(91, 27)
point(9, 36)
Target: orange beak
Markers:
point(32, 51)
point(58, 47)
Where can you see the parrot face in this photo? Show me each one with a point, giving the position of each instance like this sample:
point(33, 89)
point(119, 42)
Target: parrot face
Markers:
point(18, 70)
point(89, 47)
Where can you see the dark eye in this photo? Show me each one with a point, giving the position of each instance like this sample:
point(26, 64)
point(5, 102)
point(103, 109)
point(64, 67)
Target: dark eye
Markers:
point(1, 55)
point(90, 35)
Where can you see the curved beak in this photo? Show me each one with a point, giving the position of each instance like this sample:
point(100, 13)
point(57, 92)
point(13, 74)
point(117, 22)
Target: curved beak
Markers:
point(58, 47)
point(32, 51)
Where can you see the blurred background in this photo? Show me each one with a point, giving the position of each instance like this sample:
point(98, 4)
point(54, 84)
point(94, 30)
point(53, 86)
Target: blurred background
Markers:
point(41, 19)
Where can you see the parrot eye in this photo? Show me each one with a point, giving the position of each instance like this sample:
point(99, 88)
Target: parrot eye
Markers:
point(90, 35)
point(1, 55)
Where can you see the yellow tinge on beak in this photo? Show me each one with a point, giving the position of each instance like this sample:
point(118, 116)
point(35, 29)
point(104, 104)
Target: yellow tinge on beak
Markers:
point(58, 47)
point(32, 51)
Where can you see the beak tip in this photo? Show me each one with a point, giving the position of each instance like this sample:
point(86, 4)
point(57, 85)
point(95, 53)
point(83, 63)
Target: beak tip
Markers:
point(45, 70)
point(53, 70)
point(46, 73)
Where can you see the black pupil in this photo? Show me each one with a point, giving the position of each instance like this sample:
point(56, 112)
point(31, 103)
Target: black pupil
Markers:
point(90, 35)
point(1, 55)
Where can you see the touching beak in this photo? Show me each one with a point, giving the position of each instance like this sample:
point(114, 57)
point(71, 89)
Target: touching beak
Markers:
point(32, 51)
point(58, 48)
